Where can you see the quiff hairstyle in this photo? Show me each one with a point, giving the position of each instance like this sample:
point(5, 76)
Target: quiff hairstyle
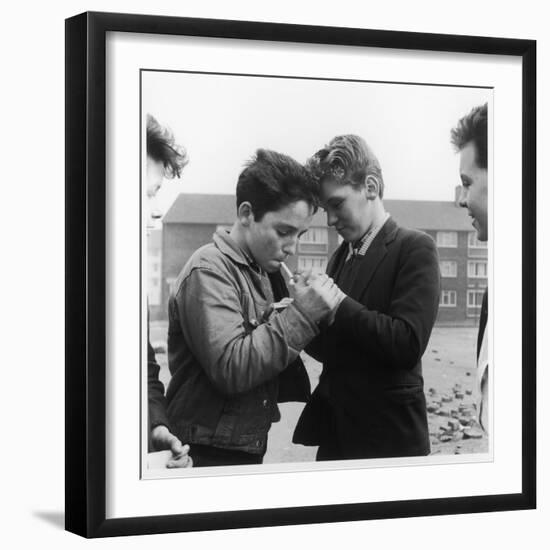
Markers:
point(347, 159)
point(472, 128)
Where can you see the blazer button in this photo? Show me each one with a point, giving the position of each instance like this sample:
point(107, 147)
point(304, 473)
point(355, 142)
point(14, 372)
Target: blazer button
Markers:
point(265, 403)
point(258, 443)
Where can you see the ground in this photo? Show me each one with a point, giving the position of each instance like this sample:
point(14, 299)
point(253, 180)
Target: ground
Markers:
point(449, 381)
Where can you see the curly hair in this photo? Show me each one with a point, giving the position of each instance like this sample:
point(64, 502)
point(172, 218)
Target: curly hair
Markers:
point(270, 181)
point(472, 128)
point(161, 147)
point(348, 159)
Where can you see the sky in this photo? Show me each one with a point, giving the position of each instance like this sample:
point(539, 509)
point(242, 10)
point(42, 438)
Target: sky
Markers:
point(222, 119)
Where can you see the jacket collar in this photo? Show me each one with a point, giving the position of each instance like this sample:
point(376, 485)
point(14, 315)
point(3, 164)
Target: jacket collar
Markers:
point(375, 254)
point(231, 249)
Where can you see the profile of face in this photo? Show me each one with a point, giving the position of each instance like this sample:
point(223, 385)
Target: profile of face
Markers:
point(474, 190)
point(154, 177)
point(349, 208)
point(273, 238)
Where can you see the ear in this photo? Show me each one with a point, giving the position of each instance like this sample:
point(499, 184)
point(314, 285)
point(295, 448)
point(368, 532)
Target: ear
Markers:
point(245, 214)
point(372, 187)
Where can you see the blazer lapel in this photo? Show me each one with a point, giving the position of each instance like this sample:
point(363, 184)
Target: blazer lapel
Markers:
point(337, 260)
point(375, 254)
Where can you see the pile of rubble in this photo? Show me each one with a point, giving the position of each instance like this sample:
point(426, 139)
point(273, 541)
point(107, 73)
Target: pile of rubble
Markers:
point(462, 416)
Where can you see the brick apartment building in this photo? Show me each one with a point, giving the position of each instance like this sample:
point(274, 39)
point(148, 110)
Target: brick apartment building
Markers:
point(193, 218)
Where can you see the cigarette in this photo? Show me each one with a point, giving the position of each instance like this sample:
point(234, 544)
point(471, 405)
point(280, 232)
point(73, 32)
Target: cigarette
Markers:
point(288, 272)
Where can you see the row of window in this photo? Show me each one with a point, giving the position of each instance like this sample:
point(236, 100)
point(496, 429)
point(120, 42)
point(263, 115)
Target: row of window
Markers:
point(449, 239)
point(316, 239)
point(477, 269)
point(315, 263)
point(474, 298)
point(444, 239)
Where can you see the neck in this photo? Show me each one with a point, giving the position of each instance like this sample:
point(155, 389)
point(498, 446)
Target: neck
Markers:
point(238, 234)
point(377, 215)
point(378, 212)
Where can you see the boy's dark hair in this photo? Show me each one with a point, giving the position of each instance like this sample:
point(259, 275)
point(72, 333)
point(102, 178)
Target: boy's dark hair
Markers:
point(271, 181)
point(161, 147)
point(473, 128)
point(347, 159)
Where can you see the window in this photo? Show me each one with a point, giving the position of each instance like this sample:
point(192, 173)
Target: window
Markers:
point(314, 240)
point(474, 243)
point(448, 268)
point(447, 298)
point(317, 264)
point(315, 235)
point(447, 239)
point(153, 291)
point(475, 297)
point(170, 282)
point(477, 269)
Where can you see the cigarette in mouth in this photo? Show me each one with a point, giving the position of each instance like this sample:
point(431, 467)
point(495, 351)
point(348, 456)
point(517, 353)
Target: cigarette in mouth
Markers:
point(288, 272)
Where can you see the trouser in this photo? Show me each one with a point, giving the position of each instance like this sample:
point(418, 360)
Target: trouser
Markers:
point(329, 451)
point(206, 455)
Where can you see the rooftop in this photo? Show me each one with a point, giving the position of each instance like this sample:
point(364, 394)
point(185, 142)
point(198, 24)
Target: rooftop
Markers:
point(221, 209)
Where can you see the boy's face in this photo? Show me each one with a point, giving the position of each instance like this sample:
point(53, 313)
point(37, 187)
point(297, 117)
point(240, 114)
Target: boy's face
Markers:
point(474, 190)
point(348, 208)
point(153, 179)
point(273, 238)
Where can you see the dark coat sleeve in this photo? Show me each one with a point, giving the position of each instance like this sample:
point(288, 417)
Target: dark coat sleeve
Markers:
point(316, 347)
point(399, 336)
point(155, 393)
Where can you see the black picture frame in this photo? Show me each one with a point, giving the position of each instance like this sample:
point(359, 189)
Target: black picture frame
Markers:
point(86, 262)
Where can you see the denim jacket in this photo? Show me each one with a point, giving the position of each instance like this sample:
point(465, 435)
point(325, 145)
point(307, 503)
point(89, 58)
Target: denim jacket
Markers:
point(225, 351)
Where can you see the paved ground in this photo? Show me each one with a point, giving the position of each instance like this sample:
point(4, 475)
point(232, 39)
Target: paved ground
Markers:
point(449, 376)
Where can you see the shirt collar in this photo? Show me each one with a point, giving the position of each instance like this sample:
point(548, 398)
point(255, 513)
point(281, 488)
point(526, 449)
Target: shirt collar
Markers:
point(361, 246)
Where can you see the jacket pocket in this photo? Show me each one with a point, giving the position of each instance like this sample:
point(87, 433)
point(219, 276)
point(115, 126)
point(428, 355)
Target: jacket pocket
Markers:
point(404, 394)
point(250, 319)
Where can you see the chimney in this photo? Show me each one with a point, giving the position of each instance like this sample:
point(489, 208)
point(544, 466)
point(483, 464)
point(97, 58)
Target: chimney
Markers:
point(458, 192)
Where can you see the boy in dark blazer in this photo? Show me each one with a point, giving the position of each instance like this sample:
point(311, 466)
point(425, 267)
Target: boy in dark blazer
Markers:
point(370, 399)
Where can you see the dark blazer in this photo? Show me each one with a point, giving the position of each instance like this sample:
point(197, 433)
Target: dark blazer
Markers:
point(370, 399)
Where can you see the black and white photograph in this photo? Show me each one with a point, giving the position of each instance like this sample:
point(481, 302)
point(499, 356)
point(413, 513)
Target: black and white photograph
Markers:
point(304, 287)
point(316, 272)
point(274, 275)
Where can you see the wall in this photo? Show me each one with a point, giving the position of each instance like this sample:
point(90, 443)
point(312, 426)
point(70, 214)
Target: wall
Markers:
point(178, 243)
point(33, 311)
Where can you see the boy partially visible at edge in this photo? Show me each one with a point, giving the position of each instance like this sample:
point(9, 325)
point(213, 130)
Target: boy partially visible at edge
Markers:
point(470, 140)
point(165, 159)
